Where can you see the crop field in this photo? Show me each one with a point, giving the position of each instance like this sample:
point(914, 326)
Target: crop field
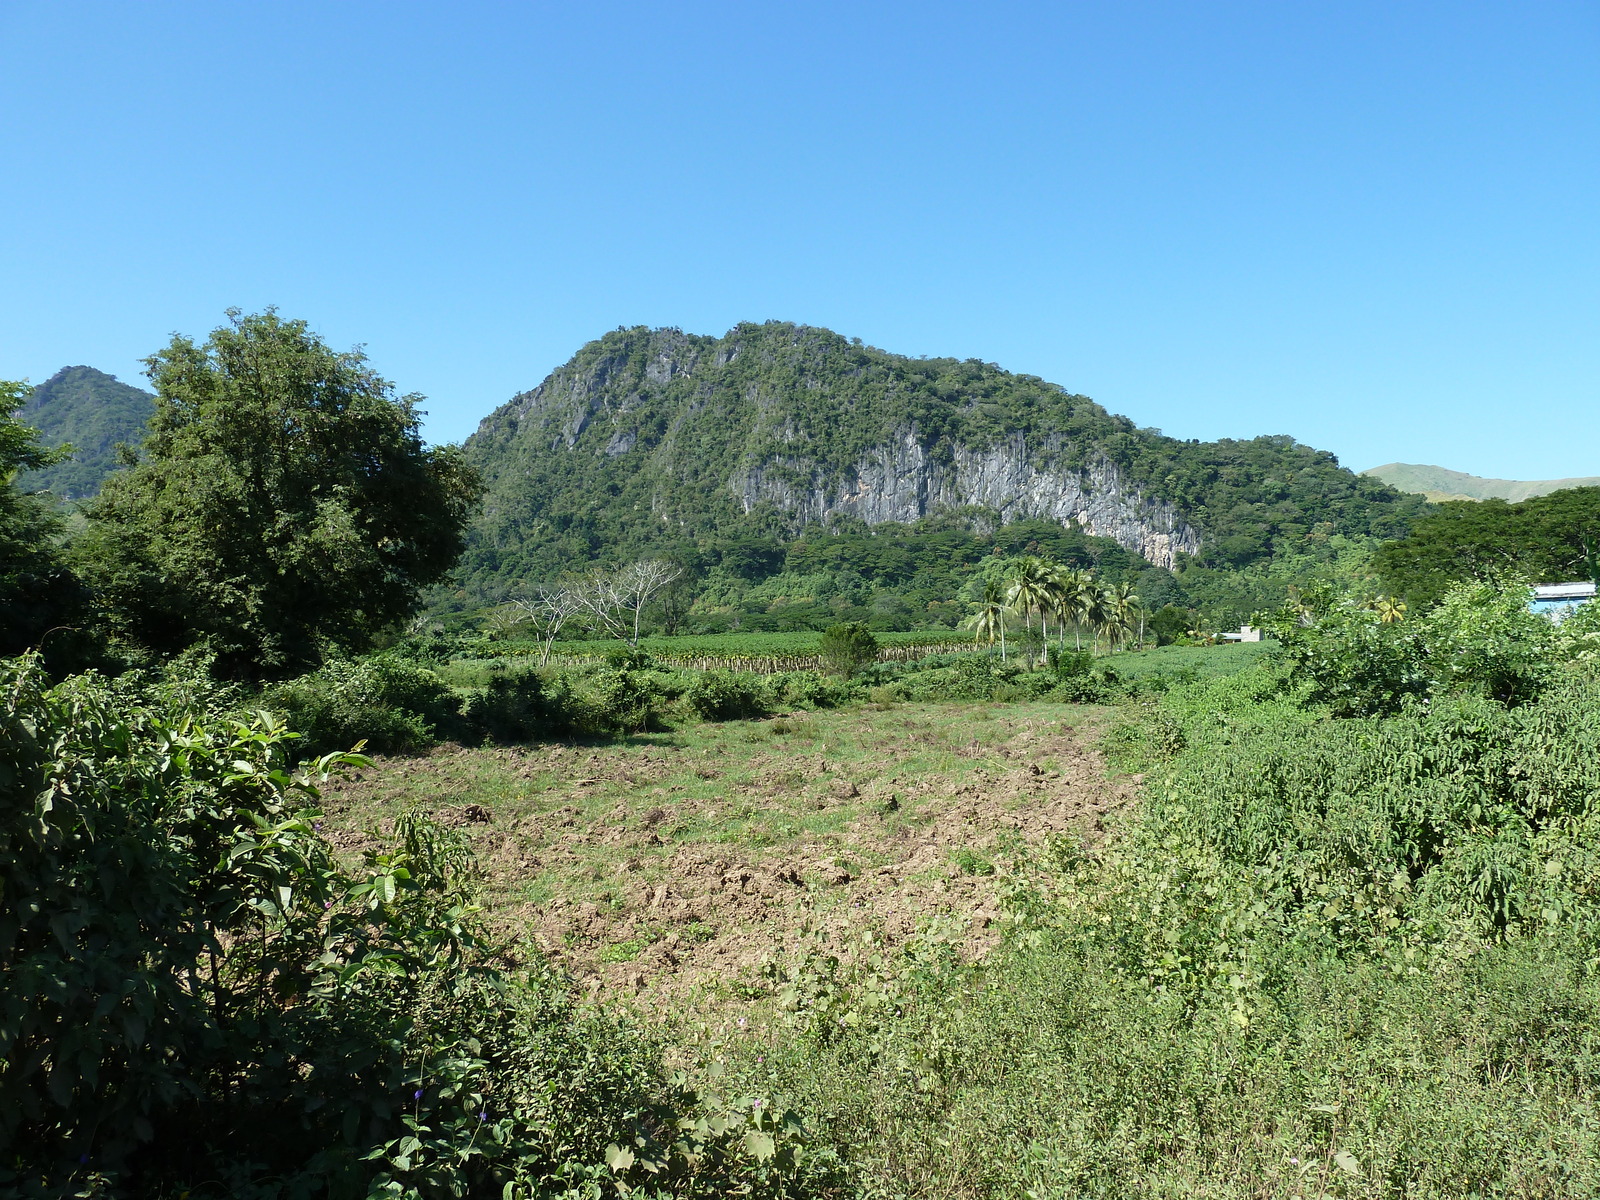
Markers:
point(671, 865)
point(1204, 662)
point(762, 653)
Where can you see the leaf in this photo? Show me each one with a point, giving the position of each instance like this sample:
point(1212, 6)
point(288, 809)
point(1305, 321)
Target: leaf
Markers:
point(386, 888)
point(759, 1146)
point(1347, 1163)
point(617, 1158)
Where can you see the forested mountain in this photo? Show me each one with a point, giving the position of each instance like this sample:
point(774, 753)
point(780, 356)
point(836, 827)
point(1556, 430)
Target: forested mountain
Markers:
point(93, 411)
point(654, 440)
point(1439, 484)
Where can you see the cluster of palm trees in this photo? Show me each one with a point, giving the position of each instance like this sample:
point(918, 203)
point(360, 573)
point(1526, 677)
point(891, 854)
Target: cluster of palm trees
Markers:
point(1112, 615)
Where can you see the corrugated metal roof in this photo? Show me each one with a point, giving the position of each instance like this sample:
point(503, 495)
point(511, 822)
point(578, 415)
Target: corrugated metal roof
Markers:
point(1563, 591)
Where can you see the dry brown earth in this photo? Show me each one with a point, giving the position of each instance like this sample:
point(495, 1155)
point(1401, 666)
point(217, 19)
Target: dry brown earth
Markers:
point(669, 866)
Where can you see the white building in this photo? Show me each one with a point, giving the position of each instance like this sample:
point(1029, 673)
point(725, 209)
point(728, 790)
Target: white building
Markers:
point(1557, 600)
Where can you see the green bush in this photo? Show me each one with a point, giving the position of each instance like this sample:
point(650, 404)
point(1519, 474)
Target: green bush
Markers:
point(393, 705)
point(846, 648)
point(811, 689)
point(1068, 664)
point(1480, 638)
point(516, 706)
point(608, 701)
point(195, 999)
point(728, 696)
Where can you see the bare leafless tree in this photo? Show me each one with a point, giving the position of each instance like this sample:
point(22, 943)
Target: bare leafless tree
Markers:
point(616, 600)
point(551, 607)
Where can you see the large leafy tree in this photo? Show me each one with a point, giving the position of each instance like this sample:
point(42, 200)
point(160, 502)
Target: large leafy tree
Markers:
point(283, 504)
point(1547, 539)
point(37, 592)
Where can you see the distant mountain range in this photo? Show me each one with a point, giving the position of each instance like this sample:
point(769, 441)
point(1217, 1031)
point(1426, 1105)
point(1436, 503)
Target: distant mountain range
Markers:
point(1439, 484)
point(92, 411)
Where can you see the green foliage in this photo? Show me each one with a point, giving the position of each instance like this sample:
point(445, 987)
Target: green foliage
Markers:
point(516, 705)
point(38, 593)
point(1171, 623)
point(846, 648)
point(284, 502)
point(195, 999)
point(724, 696)
point(392, 705)
point(1542, 539)
point(643, 443)
point(1480, 638)
point(91, 412)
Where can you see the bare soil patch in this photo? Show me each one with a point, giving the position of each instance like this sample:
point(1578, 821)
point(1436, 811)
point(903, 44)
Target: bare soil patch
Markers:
point(670, 865)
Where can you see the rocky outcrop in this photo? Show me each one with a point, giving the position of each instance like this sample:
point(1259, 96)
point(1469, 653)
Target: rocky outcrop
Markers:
point(902, 481)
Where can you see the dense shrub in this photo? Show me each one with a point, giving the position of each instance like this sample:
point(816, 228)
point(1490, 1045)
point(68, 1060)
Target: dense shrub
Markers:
point(846, 648)
point(1481, 638)
point(391, 704)
point(812, 689)
point(610, 701)
point(517, 706)
point(195, 999)
point(726, 696)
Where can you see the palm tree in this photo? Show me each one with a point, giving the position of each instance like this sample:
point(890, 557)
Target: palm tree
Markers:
point(1123, 602)
point(1030, 590)
point(989, 617)
point(1390, 611)
point(1092, 612)
point(1056, 585)
point(1072, 604)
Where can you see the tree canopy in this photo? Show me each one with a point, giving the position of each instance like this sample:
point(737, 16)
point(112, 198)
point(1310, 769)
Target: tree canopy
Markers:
point(284, 503)
point(37, 591)
point(1548, 539)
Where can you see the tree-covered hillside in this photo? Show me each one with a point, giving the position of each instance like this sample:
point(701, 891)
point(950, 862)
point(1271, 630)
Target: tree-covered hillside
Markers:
point(650, 441)
point(91, 411)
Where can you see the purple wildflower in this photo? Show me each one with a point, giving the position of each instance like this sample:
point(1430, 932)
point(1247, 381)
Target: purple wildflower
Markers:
point(417, 1095)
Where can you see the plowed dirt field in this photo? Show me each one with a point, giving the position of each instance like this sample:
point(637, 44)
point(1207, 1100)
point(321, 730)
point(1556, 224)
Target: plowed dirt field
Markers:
point(669, 866)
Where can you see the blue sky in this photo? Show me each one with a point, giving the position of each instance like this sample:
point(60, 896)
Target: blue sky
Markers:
point(1374, 226)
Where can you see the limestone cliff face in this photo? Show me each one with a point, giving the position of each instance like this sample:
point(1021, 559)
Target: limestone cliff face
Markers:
point(903, 481)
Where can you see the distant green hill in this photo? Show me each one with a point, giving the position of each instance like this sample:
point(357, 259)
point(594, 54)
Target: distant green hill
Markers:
point(656, 441)
point(93, 411)
point(1439, 484)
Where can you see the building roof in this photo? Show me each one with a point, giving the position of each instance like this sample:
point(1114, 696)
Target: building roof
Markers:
point(1564, 591)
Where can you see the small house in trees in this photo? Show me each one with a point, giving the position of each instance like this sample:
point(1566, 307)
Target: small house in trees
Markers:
point(1557, 600)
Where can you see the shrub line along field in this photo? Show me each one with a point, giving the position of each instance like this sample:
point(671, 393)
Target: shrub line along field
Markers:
point(673, 865)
